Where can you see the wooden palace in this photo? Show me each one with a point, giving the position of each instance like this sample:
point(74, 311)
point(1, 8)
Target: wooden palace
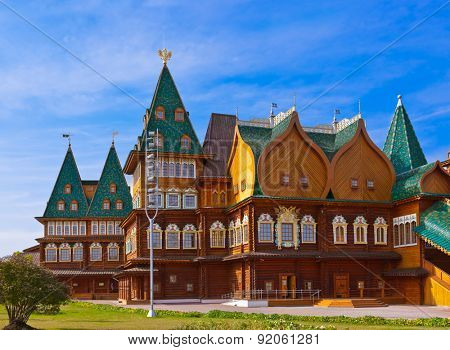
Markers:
point(266, 208)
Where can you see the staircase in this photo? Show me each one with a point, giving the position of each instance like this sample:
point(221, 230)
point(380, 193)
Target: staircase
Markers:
point(354, 303)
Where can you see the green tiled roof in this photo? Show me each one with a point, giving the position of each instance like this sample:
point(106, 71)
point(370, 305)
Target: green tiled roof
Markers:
point(407, 184)
point(402, 146)
point(67, 175)
point(112, 173)
point(166, 95)
point(435, 226)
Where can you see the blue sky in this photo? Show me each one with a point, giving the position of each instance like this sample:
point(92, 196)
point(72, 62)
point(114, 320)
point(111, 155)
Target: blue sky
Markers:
point(226, 54)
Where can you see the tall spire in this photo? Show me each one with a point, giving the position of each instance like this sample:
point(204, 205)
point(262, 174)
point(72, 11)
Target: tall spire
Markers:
point(402, 146)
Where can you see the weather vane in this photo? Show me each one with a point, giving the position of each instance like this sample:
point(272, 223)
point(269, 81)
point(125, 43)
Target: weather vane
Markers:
point(165, 55)
point(67, 136)
point(114, 134)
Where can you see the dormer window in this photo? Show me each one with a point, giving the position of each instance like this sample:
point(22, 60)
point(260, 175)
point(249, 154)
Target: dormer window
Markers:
point(106, 204)
point(160, 114)
point(119, 204)
point(67, 189)
point(179, 115)
point(185, 142)
point(74, 206)
point(243, 185)
point(285, 180)
point(61, 205)
point(354, 183)
point(112, 188)
point(304, 182)
point(370, 184)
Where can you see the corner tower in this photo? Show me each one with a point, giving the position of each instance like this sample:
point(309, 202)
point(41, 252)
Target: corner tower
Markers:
point(402, 146)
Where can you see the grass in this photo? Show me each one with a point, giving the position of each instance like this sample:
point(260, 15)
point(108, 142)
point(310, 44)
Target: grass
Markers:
point(81, 315)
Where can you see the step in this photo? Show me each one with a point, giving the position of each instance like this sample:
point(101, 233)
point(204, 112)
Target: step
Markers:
point(353, 303)
point(290, 302)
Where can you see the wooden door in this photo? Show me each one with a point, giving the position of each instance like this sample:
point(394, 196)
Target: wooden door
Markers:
point(283, 285)
point(292, 285)
point(341, 285)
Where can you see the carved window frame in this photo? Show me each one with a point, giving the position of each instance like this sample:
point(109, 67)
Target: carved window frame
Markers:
point(339, 221)
point(265, 219)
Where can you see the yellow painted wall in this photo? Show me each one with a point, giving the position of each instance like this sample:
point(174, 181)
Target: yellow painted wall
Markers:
point(435, 293)
point(242, 167)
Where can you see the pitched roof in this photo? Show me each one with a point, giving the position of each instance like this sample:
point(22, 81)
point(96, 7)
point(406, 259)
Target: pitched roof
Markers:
point(407, 184)
point(402, 146)
point(166, 95)
point(218, 141)
point(68, 175)
point(435, 225)
point(112, 173)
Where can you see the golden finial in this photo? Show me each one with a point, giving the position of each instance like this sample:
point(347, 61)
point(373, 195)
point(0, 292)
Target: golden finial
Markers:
point(165, 55)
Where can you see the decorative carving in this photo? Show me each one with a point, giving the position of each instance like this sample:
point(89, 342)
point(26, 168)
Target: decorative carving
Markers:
point(165, 55)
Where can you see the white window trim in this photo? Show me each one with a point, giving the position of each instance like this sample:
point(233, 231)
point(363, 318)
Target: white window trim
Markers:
point(155, 232)
point(265, 219)
point(77, 246)
point(167, 200)
point(287, 216)
point(404, 220)
point(94, 246)
point(339, 221)
point(67, 224)
point(195, 239)
point(51, 224)
point(308, 220)
point(364, 228)
point(75, 224)
point(113, 246)
point(380, 222)
point(172, 229)
point(48, 247)
point(110, 224)
point(66, 247)
point(93, 224)
point(82, 224)
point(184, 200)
point(60, 225)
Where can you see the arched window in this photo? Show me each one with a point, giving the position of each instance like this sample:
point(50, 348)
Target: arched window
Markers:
point(74, 205)
point(189, 237)
point(265, 228)
point(217, 235)
point(191, 170)
point(160, 113)
point(68, 189)
point(171, 169)
point(106, 204)
point(165, 169)
point(61, 205)
point(112, 188)
point(157, 237)
point(96, 252)
point(223, 199)
point(178, 170)
point(360, 230)
point(237, 232)
point(231, 234)
point(119, 204)
point(64, 252)
point(408, 233)
point(172, 237)
point(77, 252)
point(308, 228)
point(51, 254)
point(380, 231)
point(113, 252)
point(179, 114)
point(185, 142)
point(340, 230)
point(215, 198)
point(245, 229)
point(184, 170)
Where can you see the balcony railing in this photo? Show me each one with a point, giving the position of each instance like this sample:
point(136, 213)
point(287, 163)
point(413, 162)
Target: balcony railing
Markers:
point(301, 294)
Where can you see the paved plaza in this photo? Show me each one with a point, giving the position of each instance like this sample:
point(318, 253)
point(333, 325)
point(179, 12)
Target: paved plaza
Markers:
point(392, 311)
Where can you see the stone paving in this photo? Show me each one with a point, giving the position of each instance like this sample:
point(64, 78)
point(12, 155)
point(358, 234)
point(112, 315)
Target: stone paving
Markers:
point(391, 311)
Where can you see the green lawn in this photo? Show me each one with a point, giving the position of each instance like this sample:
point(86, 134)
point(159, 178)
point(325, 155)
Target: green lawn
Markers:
point(79, 315)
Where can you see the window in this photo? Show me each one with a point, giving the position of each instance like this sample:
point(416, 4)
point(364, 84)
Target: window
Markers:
point(340, 230)
point(50, 228)
point(304, 182)
point(308, 285)
point(83, 228)
point(94, 228)
point(308, 228)
point(74, 206)
point(74, 228)
point(217, 235)
point(173, 200)
point(235, 189)
point(61, 205)
point(285, 180)
point(353, 183)
point(179, 115)
point(268, 286)
point(189, 287)
point(51, 254)
point(159, 113)
point(191, 171)
point(190, 201)
point(265, 228)
point(223, 199)
point(370, 184)
point(78, 252)
point(404, 235)
point(110, 228)
point(184, 170)
point(66, 228)
point(106, 204)
point(171, 169)
point(64, 252)
point(67, 189)
point(113, 252)
point(189, 237)
point(231, 234)
point(243, 185)
point(287, 232)
point(185, 142)
point(117, 228)
point(96, 252)
point(165, 169)
point(173, 278)
point(360, 230)
point(245, 229)
point(157, 237)
point(112, 188)
point(59, 228)
point(172, 237)
point(380, 231)
point(102, 227)
point(237, 232)
point(177, 169)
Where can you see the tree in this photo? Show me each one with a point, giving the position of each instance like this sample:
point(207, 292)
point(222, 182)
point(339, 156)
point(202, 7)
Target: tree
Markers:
point(24, 287)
